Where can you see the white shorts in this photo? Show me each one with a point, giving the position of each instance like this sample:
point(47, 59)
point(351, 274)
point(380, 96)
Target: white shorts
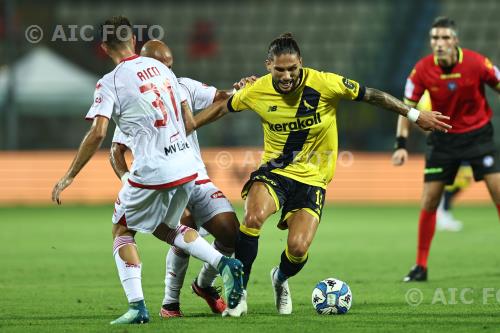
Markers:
point(206, 201)
point(143, 209)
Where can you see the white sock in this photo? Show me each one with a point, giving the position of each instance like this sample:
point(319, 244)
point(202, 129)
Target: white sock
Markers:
point(130, 274)
point(199, 248)
point(208, 274)
point(177, 263)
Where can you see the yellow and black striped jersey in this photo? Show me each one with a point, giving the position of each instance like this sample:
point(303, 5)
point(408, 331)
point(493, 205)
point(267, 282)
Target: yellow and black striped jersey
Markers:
point(300, 128)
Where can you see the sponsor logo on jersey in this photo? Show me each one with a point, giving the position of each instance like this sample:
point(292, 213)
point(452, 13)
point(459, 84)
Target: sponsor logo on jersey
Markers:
point(97, 100)
point(299, 124)
point(217, 195)
point(272, 108)
point(176, 147)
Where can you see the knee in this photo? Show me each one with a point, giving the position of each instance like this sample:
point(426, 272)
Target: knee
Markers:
point(430, 202)
point(120, 230)
point(298, 247)
point(254, 219)
point(228, 241)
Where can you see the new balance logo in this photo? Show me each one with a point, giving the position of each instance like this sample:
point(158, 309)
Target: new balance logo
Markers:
point(299, 124)
point(272, 108)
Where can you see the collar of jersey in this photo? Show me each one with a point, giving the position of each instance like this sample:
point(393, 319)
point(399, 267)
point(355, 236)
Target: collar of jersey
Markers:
point(132, 57)
point(460, 57)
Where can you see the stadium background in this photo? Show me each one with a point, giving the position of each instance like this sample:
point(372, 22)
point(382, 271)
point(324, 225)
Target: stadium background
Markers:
point(57, 270)
point(46, 87)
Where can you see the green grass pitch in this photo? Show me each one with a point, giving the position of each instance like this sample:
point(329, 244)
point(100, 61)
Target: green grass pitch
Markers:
point(58, 274)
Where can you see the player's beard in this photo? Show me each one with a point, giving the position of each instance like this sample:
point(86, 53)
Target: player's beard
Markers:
point(293, 85)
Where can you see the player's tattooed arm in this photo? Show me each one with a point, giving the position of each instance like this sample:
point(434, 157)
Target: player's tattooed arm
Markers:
point(428, 121)
point(386, 101)
point(117, 159)
point(90, 143)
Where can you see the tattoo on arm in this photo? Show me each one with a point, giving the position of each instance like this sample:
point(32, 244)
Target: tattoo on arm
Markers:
point(386, 101)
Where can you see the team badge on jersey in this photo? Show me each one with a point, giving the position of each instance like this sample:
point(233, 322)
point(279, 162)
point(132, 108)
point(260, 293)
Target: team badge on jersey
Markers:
point(452, 86)
point(348, 84)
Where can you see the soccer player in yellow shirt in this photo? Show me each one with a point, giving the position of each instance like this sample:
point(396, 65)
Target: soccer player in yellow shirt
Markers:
point(297, 107)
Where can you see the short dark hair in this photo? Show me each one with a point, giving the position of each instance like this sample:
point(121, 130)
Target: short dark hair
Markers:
point(444, 22)
point(285, 43)
point(115, 31)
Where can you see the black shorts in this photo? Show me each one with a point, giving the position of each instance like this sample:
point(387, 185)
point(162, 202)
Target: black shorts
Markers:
point(289, 195)
point(447, 151)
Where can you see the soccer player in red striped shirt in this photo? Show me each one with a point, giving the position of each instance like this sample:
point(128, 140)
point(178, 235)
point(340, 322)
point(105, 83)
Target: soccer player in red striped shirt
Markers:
point(456, 79)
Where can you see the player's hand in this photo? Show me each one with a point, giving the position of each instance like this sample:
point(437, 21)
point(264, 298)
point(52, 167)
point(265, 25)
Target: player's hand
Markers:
point(59, 187)
point(399, 157)
point(433, 121)
point(244, 81)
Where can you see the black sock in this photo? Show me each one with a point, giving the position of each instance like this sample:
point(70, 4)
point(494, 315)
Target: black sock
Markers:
point(288, 268)
point(447, 198)
point(171, 307)
point(246, 252)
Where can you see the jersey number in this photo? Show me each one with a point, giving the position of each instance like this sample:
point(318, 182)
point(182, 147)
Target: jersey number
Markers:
point(319, 198)
point(158, 102)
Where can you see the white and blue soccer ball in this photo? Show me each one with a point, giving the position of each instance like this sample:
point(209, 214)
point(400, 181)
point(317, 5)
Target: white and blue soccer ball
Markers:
point(331, 296)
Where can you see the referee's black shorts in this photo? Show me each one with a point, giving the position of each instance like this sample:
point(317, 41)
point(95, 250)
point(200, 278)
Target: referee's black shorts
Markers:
point(446, 151)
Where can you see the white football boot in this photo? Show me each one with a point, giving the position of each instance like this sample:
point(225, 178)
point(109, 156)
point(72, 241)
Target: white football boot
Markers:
point(282, 296)
point(240, 309)
point(446, 221)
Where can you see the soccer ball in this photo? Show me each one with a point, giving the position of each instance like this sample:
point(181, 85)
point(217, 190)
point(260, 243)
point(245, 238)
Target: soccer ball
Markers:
point(331, 296)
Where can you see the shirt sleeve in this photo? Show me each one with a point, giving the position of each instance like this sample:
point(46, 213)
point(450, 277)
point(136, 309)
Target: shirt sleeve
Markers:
point(342, 87)
point(202, 94)
point(183, 95)
point(104, 102)
point(490, 73)
point(120, 137)
point(239, 101)
point(414, 89)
